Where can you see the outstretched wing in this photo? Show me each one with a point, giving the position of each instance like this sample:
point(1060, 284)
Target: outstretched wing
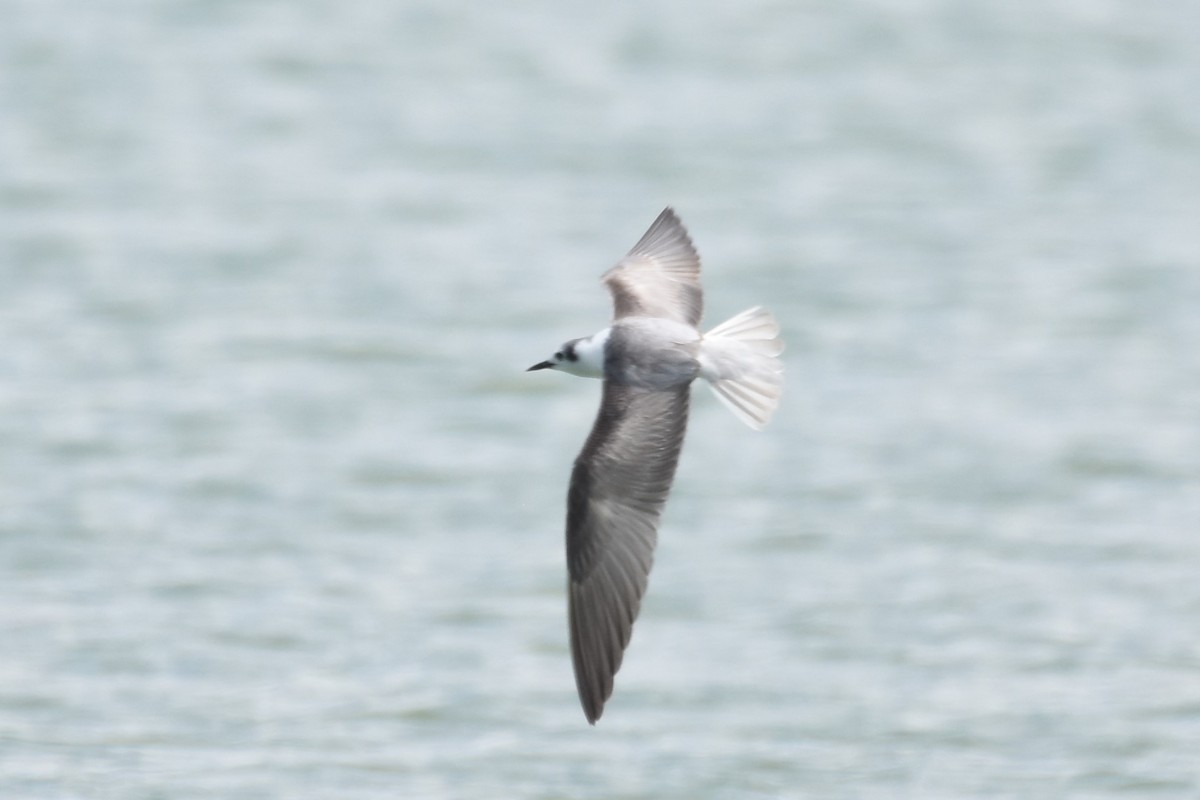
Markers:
point(618, 489)
point(660, 277)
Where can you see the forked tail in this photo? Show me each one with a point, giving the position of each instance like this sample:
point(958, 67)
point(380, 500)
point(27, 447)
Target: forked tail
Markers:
point(740, 360)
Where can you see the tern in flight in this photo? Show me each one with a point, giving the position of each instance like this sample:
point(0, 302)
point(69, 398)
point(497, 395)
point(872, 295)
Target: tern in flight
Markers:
point(648, 358)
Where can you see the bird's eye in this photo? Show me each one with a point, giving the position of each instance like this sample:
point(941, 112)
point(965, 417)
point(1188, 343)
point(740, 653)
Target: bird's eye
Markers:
point(558, 356)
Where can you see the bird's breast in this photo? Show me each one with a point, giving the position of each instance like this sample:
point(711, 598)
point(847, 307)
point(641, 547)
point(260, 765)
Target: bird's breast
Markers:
point(652, 353)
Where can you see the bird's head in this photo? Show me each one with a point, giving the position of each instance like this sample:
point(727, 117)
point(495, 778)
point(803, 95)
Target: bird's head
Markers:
point(562, 359)
point(583, 357)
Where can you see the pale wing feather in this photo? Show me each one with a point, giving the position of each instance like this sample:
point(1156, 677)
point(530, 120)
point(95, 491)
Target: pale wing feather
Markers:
point(660, 277)
point(618, 488)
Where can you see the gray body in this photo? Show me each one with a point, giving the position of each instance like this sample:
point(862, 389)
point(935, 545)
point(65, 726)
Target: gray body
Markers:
point(652, 353)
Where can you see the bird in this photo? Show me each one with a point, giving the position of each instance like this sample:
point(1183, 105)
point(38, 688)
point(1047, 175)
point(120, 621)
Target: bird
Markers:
point(648, 358)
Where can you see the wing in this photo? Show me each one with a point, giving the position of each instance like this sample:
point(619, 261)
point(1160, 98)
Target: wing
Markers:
point(618, 489)
point(660, 277)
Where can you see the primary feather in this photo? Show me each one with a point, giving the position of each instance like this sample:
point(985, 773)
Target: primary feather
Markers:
point(618, 489)
point(660, 276)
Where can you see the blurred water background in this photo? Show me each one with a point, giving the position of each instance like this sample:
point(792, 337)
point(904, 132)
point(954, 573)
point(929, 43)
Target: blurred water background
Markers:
point(281, 514)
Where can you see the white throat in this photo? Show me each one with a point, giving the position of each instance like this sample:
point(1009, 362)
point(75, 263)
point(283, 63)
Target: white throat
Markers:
point(589, 352)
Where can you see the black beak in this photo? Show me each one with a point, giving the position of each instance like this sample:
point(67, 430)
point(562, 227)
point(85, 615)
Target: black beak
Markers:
point(540, 365)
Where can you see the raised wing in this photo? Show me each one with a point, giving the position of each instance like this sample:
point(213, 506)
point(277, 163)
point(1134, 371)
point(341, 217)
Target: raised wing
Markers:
point(618, 489)
point(660, 277)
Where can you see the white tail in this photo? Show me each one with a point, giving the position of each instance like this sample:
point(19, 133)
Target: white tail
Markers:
point(740, 360)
